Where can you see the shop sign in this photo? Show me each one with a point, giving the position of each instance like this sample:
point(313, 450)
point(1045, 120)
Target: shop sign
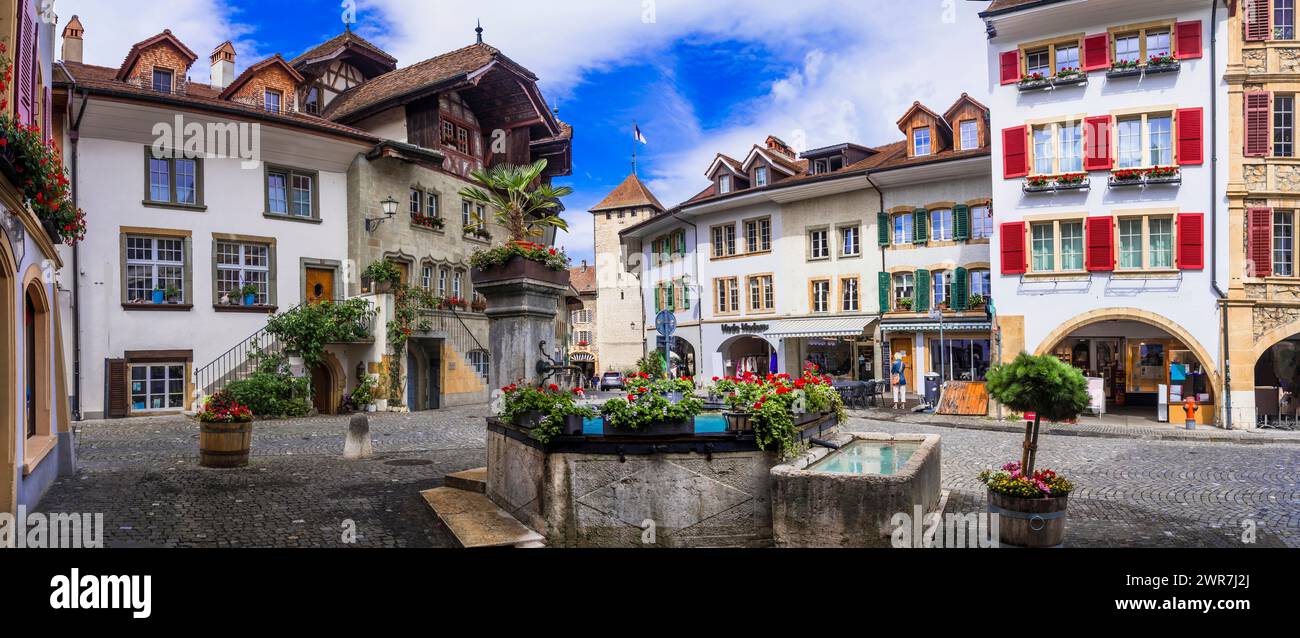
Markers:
point(744, 328)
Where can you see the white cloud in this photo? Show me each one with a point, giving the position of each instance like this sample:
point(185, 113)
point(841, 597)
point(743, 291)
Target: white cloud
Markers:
point(112, 26)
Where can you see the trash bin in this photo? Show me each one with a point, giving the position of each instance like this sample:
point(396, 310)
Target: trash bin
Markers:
point(932, 384)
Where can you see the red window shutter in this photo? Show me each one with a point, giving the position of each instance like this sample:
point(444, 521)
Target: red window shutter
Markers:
point(1190, 150)
point(1100, 234)
point(1015, 157)
point(1011, 67)
point(1013, 249)
point(1187, 38)
point(1258, 19)
point(1258, 121)
point(1096, 52)
point(25, 65)
point(1259, 239)
point(1191, 241)
point(1096, 143)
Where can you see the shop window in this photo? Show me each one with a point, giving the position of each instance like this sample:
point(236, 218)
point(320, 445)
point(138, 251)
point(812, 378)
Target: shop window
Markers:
point(960, 359)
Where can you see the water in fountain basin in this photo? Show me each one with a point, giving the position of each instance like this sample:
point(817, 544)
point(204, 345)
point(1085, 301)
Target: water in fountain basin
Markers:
point(867, 457)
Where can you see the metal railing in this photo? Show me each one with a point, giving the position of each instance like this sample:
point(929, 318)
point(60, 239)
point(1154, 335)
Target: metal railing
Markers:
point(449, 321)
point(242, 360)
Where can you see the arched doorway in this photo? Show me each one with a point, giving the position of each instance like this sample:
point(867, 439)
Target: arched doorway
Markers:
point(8, 372)
point(747, 354)
point(1138, 361)
point(327, 384)
point(682, 354)
point(1277, 384)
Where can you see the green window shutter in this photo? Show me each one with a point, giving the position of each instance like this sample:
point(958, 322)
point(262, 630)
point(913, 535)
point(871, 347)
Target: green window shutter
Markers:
point(920, 226)
point(961, 222)
point(659, 298)
point(960, 290)
point(921, 292)
point(669, 301)
point(686, 294)
point(885, 284)
point(883, 227)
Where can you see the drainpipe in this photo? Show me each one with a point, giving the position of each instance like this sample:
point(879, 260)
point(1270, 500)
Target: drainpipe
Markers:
point(1214, 212)
point(74, 135)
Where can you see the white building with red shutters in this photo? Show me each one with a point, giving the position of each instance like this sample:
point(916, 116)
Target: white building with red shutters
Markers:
point(1106, 198)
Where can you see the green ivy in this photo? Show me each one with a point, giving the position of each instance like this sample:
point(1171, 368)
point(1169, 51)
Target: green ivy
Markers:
point(306, 330)
point(271, 392)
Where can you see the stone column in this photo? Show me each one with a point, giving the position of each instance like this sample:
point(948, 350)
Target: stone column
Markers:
point(523, 299)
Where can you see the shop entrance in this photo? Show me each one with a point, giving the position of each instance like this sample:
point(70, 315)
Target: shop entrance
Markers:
point(1139, 371)
point(747, 354)
point(1277, 384)
point(902, 346)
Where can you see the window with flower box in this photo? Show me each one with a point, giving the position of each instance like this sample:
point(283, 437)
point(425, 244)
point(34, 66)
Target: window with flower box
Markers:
point(1144, 141)
point(1057, 148)
point(904, 289)
point(155, 263)
point(240, 264)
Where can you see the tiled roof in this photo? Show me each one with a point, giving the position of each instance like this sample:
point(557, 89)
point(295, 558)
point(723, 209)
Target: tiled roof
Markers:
point(338, 41)
point(1007, 6)
point(448, 66)
point(632, 193)
point(583, 279)
point(134, 53)
point(253, 70)
point(201, 96)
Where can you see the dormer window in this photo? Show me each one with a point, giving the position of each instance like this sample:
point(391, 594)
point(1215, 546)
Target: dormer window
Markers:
point(921, 141)
point(821, 166)
point(970, 136)
point(273, 99)
point(760, 176)
point(724, 184)
point(162, 80)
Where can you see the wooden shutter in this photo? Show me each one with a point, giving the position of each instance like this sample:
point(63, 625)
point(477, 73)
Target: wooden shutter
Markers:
point(47, 106)
point(1188, 40)
point(1013, 248)
point(1096, 52)
point(1191, 241)
point(920, 226)
point(883, 228)
point(1259, 105)
point(961, 222)
point(1015, 156)
point(115, 388)
point(960, 289)
point(25, 65)
point(1257, 19)
point(1011, 67)
point(1259, 238)
point(885, 282)
point(1190, 150)
point(1100, 235)
point(921, 291)
point(1096, 143)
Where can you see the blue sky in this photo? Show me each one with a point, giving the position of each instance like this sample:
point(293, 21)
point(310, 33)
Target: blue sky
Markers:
point(699, 77)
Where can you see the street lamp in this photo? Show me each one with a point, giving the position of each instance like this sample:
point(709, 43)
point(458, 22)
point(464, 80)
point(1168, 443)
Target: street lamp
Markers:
point(389, 206)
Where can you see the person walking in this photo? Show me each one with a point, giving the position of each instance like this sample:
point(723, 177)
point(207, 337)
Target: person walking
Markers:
point(899, 372)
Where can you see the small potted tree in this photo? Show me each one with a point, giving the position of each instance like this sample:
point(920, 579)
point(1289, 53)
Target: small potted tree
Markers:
point(1032, 502)
point(383, 276)
point(525, 206)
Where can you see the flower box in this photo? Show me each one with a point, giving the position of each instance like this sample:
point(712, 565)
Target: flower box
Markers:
point(529, 419)
point(1035, 83)
point(656, 429)
point(519, 268)
point(738, 422)
point(573, 425)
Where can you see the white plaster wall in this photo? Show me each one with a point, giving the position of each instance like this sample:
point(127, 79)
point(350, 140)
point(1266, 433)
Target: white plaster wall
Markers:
point(111, 178)
point(1189, 301)
point(389, 124)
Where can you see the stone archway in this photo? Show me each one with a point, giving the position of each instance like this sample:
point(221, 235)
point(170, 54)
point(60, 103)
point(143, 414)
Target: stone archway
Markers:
point(1140, 316)
point(8, 372)
point(740, 347)
point(328, 382)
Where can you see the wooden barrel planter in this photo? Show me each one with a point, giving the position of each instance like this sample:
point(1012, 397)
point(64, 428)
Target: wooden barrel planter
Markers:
point(225, 445)
point(1029, 522)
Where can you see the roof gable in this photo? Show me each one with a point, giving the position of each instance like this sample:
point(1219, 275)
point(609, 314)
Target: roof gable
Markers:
point(921, 108)
point(162, 39)
point(963, 100)
point(251, 72)
point(775, 160)
point(723, 161)
point(378, 60)
point(632, 193)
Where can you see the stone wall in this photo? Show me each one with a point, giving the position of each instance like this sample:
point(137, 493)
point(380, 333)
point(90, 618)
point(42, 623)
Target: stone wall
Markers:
point(620, 340)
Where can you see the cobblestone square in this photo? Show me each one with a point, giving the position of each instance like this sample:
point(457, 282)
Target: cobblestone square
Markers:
point(143, 475)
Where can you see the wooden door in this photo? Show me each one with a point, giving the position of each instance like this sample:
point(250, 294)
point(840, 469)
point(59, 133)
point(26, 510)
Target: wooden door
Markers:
point(320, 285)
point(904, 347)
point(405, 269)
point(322, 385)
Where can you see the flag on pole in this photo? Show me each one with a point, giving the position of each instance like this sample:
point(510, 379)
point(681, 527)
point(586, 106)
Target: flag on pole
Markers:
point(639, 137)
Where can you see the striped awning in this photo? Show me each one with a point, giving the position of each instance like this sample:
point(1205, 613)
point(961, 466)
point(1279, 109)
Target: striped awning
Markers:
point(582, 356)
point(933, 326)
point(828, 327)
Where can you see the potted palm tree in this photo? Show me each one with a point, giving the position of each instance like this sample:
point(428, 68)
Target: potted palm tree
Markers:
point(525, 206)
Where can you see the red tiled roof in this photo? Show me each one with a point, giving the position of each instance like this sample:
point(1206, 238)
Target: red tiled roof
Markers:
point(134, 53)
point(200, 96)
point(1008, 6)
point(632, 193)
point(583, 279)
point(339, 40)
point(253, 70)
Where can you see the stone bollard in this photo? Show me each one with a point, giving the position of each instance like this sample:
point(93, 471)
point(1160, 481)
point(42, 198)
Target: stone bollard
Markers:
point(357, 446)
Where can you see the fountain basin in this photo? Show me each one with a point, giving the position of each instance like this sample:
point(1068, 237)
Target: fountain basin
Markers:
point(848, 497)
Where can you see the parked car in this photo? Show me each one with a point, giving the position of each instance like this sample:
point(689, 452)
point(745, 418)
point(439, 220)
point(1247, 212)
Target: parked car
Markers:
point(611, 381)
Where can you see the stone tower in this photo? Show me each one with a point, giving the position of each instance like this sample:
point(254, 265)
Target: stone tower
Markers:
point(620, 315)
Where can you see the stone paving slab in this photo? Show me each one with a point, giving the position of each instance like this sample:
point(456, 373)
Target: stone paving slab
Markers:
point(477, 521)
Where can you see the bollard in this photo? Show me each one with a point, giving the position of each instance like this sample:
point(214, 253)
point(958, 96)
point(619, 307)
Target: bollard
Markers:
point(357, 445)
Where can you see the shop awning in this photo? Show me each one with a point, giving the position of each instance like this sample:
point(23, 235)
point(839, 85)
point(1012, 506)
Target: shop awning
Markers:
point(828, 327)
point(933, 326)
point(582, 356)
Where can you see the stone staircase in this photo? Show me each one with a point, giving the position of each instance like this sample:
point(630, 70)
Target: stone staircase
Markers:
point(463, 506)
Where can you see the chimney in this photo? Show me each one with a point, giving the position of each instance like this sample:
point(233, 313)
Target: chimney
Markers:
point(584, 265)
point(776, 145)
point(73, 40)
point(223, 66)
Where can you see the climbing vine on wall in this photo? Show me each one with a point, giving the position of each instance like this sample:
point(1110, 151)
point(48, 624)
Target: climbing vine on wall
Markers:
point(408, 302)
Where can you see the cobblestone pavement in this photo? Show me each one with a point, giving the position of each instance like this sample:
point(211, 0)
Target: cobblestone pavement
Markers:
point(143, 475)
point(1137, 492)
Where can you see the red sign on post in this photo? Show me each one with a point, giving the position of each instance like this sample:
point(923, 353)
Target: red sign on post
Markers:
point(1031, 416)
